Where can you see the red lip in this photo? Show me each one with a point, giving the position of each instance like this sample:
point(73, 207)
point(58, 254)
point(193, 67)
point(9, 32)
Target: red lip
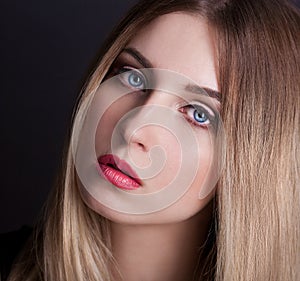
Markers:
point(118, 172)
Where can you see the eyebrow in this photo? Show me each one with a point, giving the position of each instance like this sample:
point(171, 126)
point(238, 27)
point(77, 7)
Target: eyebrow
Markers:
point(203, 90)
point(190, 87)
point(139, 57)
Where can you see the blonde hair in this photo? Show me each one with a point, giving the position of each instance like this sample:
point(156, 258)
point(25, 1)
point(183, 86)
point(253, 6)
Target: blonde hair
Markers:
point(258, 195)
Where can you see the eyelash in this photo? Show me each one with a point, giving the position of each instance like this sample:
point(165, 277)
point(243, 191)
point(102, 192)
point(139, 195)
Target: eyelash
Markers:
point(124, 71)
point(196, 108)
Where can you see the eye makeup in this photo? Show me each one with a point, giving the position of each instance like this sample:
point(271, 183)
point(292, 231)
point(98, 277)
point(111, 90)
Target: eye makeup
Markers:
point(200, 115)
point(201, 104)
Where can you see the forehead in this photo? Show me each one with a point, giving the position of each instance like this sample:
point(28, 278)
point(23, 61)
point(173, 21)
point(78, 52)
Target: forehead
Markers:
point(180, 42)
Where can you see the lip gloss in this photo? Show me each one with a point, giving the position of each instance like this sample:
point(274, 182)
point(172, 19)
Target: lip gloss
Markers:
point(118, 172)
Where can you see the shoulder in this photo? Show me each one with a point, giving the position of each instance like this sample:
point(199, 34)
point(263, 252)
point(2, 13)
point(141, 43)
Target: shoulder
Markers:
point(11, 243)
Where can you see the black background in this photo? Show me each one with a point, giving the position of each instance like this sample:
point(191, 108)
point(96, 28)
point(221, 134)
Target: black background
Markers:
point(46, 50)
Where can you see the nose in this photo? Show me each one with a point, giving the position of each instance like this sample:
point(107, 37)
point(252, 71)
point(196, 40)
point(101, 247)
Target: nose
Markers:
point(142, 128)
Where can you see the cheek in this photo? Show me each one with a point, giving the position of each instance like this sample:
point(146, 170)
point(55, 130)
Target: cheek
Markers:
point(205, 156)
point(104, 132)
point(190, 203)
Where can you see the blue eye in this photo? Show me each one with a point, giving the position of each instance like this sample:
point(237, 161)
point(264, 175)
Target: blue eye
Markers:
point(198, 115)
point(132, 78)
point(135, 80)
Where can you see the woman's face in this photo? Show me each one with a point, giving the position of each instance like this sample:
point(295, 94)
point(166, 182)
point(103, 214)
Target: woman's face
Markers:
point(146, 137)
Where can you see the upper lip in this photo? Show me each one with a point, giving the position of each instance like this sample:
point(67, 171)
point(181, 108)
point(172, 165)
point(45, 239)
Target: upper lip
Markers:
point(119, 164)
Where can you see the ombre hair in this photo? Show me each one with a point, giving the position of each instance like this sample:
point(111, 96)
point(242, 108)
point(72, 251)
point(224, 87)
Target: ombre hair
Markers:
point(257, 203)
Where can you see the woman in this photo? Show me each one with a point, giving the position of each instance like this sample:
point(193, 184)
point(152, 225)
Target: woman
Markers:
point(242, 59)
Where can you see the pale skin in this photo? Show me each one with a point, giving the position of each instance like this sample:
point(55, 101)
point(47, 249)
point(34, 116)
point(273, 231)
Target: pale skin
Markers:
point(164, 245)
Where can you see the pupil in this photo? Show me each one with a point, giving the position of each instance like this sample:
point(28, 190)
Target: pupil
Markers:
point(135, 80)
point(200, 117)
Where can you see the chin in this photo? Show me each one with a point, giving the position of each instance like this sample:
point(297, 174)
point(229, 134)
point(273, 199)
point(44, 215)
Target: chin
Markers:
point(182, 210)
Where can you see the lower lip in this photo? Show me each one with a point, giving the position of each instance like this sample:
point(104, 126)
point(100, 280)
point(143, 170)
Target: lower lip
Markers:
point(117, 178)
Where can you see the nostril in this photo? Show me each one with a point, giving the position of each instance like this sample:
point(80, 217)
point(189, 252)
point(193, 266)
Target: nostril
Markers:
point(138, 145)
point(138, 142)
point(142, 146)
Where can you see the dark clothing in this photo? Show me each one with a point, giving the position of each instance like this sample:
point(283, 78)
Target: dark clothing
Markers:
point(11, 243)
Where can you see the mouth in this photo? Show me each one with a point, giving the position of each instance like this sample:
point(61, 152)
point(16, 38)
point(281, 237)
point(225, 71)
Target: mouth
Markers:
point(118, 172)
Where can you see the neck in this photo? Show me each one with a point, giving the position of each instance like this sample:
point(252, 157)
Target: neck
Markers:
point(160, 252)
